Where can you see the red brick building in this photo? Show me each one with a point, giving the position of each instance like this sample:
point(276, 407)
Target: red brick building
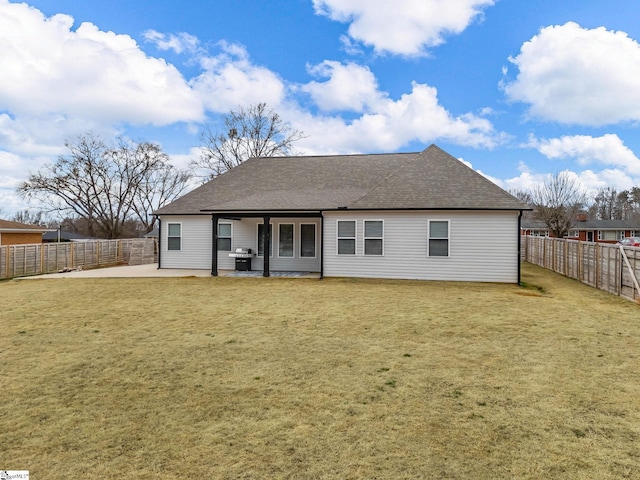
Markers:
point(15, 233)
point(606, 231)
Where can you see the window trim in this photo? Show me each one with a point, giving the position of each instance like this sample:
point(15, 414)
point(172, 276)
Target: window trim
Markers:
point(293, 240)
point(448, 239)
point(315, 240)
point(354, 238)
point(365, 238)
point(230, 237)
point(169, 249)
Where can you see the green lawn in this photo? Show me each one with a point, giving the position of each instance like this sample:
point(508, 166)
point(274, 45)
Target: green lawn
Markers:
point(301, 378)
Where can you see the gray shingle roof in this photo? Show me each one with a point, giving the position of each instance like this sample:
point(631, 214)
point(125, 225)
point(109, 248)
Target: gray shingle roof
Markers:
point(9, 225)
point(431, 179)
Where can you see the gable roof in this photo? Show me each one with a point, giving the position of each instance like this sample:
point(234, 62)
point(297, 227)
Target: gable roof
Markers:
point(8, 226)
point(431, 179)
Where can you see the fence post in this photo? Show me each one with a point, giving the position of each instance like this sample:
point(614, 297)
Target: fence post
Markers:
point(597, 264)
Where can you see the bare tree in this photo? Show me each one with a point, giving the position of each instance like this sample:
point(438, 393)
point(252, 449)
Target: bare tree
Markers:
point(557, 202)
point(107, 186)
point(147, 180)
point(32, 217)
point(524, 196)
point(606, 204)
point(248, 132)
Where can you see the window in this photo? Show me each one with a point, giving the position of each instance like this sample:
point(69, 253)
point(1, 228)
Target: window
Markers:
point(285, 240)
point(607, 235)
point(439, 238)
point(224, 237)
point(373, 237)
point(346, 237)
point(174, 236)
point(261, 239)
point(308, 240)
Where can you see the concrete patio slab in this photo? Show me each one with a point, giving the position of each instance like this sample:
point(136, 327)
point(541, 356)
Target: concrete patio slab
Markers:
point(125, 271)
point(152, 271)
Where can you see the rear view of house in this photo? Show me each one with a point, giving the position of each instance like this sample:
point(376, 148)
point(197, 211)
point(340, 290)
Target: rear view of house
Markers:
point(419, 215)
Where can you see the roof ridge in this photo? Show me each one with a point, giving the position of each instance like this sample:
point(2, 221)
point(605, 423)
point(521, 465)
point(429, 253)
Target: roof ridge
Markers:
point(336, 155)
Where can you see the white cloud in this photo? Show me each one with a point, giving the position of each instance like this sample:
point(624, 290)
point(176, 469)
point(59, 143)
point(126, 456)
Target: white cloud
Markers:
point(231, 79)
point(48, 68)
point(403, 27)
point(350, 87)
point(575, 75)
point(179, 42)
point(591, 181)
point(415, 116)
point(607, 149)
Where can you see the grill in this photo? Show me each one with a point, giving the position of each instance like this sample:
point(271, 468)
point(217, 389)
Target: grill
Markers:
point(243, 258)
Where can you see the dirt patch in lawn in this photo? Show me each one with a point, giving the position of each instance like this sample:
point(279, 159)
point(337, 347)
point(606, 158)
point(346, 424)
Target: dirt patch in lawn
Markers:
point(335, 378)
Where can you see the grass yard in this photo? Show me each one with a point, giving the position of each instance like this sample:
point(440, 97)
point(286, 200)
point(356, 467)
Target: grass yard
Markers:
point(299, 378)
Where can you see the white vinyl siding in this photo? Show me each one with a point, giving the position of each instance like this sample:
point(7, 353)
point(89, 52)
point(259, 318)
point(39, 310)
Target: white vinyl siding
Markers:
point(277, 263)
point(490, 257)
point(195, 242)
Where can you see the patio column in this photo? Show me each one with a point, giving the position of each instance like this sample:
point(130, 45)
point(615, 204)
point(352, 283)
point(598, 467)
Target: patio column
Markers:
point(214, 245)
point(267, 247)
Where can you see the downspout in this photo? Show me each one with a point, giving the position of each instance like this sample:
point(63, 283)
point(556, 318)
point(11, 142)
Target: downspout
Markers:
point(214, 245)
point(321, 245)
point(159, 242)
point(519, 247)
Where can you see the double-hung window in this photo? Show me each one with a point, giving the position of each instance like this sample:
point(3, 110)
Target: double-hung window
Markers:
point(373, 237)
point(285, 240)
point(438, 238)
point(224, 237)
point(346, 237)
point(307, 240)
point(174, 236)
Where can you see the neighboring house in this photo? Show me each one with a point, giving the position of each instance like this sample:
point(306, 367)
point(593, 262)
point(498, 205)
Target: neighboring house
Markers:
point(401, 215)
point(64, 236)
point(152, 234)
point(15, 233)
point(604, 231)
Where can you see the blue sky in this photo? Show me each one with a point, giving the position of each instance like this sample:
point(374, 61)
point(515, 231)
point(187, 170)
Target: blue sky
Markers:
point(516, 89)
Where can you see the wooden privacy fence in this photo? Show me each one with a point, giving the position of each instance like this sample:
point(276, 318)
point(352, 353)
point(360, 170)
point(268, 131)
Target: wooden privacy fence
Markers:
point(601, 265)
point(36, 259)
